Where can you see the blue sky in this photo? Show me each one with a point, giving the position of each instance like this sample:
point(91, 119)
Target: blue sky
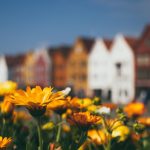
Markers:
point(30, 24)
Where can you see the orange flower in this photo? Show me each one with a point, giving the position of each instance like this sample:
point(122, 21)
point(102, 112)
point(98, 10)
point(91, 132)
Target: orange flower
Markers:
point(110, 105)
point(7, 107)
point(21, 116)
point(134, 109)
point(78, 103)
point(83, 119)
point(98, 136)
point(144, 120)
point(7, 87)
point(36, 99)
point(59, 106)
point(4, 142)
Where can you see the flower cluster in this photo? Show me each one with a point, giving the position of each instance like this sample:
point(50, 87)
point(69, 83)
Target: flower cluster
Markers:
point(44, 118)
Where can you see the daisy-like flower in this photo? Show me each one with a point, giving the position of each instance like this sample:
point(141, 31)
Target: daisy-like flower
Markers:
point(103, 110)
point(77, 103)
point(59, 106)
point(7, 87)
point(98, 136)
point(7, 107)
point(117, 129)
point(134, 109)
point(36, 99)
point(4, 142)
point(83, 119)
point(144, 120)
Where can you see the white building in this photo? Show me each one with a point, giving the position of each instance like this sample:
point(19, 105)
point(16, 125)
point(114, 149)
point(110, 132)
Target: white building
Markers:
point(123, 70)
point(99, 68)
point(3, 69)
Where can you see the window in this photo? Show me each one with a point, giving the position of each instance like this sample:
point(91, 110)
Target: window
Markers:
point(143, 59)
point(118, 68)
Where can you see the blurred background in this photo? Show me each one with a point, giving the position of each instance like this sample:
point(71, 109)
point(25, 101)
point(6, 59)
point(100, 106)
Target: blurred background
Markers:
point(96, 47)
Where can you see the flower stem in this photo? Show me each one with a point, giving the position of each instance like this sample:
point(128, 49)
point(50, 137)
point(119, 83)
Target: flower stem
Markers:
point(58, 133)
point(39, 134)
point(3, 127)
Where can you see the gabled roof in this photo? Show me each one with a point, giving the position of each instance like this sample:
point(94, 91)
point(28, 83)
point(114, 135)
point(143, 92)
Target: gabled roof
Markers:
point(132, 41)
point(63, 49)
point(143, 44)
point(87, 42)
point(108, 43)
point(12, 60)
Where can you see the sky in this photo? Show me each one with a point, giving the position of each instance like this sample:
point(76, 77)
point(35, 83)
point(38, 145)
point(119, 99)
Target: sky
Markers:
point(32, 24)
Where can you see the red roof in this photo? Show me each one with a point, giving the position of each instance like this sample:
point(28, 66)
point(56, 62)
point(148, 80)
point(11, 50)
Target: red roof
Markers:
point(64, 49)
point(143, 44)
point(108, 43)
point(15, 60)
point(87, 42)
point(132, 41)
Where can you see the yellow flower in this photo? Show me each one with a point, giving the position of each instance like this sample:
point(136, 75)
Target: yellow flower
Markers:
point(48, 126)
point(66, 127)
point(78, 103)
point(134, 109)
point(59, 106)
point(7, 107)
point(144, 120)
point(7, 87)
point(83, 119)
point(35, 99)
point(98, 136)
point(122, 132)
point(4, 142)
point(92, 108)
point(21, 116)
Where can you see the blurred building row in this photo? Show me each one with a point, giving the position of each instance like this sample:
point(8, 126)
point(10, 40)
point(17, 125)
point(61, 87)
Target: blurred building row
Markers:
point(117, 69)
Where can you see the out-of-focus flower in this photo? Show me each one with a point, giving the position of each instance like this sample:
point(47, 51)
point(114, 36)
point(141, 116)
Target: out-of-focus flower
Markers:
point(66, 91)
point(134, 109)
point(92, 108)
point(59, 106)
point(48, 126)
point(83, 119)
point(103, 110)
point(66, 127)
point(78, 103)
point(7, 87)
point(110, 105)
point(122, 132)
point(98, 136)
point(21, 115)
point(96, 100)
point(36, 99)
point(144, 120)
point(4, 142)
point(7, 107)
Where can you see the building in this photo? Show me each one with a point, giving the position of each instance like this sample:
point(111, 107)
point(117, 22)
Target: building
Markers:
point(77, 68)
point(42, 68)
point(99, 68)
point(28, 68)
point(59, 56)
point(143, 65)
point(123, 69)
point(15, 66)
point(3, 69)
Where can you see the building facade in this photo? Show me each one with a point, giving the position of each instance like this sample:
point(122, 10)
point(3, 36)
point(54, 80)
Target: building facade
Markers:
point(77, 68)
point(143, 65)
point(99, 68)
point(123, 69)
point(3, 69)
